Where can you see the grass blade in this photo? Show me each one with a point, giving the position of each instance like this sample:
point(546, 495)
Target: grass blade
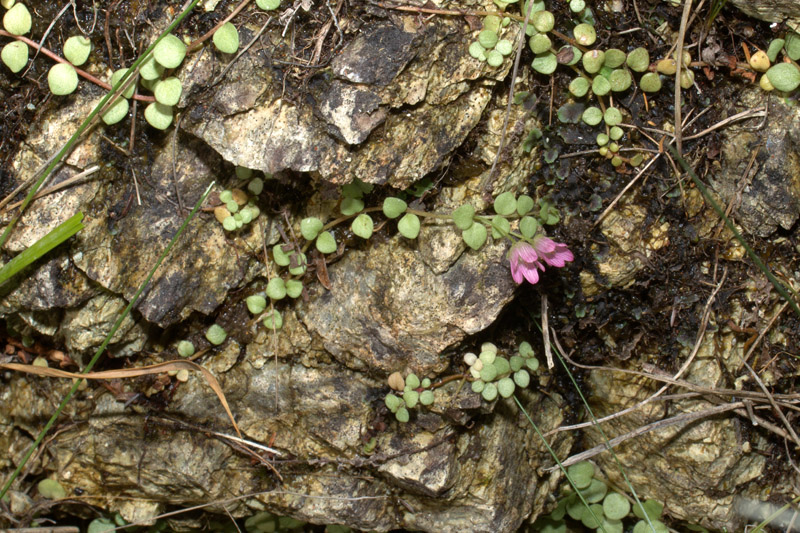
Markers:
point(88, 121)
point(783, 291)
point(32, 253)
point(102, 347)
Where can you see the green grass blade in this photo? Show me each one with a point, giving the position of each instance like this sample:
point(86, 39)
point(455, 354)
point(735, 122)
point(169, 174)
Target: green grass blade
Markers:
point(102, 347)
point(783, 291)
point(57, 235)
point(87, 122)
point(558, 461)
point(600, 429)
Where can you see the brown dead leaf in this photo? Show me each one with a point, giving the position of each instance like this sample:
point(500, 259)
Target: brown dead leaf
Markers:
point(124, 373)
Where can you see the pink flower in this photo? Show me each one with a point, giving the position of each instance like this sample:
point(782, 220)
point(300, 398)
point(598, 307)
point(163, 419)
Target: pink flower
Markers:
point(526, 258)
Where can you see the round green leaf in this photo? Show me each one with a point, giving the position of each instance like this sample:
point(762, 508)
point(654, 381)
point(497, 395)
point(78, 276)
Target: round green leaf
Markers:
point(478, 386)
point(412, 381)
point(581, 474)
point(255, 186)
point(273, 320)
point(76, 49)
point(576, 6)
point(475, 236)
point(256, 304)
point(579, 87)
point(638, 60)
point(411, 397)
point(650, 82)
point(575, 508)
point(593, 517)
point(310, 228)
point(500, 227)
point(792, 46)
point(216, 335)
point(540, 43)
point(494, 58)
point(522, 378)
point(326, 244)
point(185, 348)
point(426, 397)
point(168, 91)
point(545, 63)
point(487, 39)
point(402, 415)
point(592, 116)
point(774, 48)
point(616, 506)
point(394, 207)
point(117, 111)
point(532, 363)
point(351, 206)
point(150, 69)
point(118, 74)
point(302, 264)
point(487, 357)
point(477, 51)
point(543, 21)
point(281, 258)
point(294, 288)
point(612, 526)
point(524, 204)
point(50, 488)
point(584, 34)
point(463, 216)
point(643, 527)
point(409, 226)
point(392, 402)
point(614, 58)
point(62, 78)
point(276, 289)
point(226, 38)
point(170, 51)
point(504, 47)
point(489, 392)
point(505, 203)
point(612, 116)
point(363, 226)
point(229, 223)
point(516, 363)
point(595, 492)
point(268, 5)
point(653, 508)
point(600, 86)
point(15, 55)
point(17, 20)
point(488, 372)
point(593, 61)
point(492, 23)
point(525, 349)
point(506, 387)
point(158, 115)
point(784, 76)
point(528, 226)
point(620, 80)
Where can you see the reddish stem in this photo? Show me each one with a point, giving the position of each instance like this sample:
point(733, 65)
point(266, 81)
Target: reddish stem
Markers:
point(82, 73)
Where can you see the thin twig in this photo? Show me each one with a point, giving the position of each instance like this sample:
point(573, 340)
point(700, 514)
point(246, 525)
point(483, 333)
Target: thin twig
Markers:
point(700, 335)
point(687, 8)
point(774, 405)
point(64, 184)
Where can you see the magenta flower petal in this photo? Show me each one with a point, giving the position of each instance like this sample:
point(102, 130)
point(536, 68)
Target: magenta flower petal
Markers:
point(525, 259)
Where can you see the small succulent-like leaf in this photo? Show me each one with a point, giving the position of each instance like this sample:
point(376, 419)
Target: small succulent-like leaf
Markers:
point(76, 49)
point(409, 226)
point(363, 226)
point(310, 228)
point(15, 56)
point(226, 38)
point(159, 116)
point(326, 243)
point(394, 207)
point(784, 77)
point(216, 335)
point(463, 216)
point(505, 203)
point(256, 304)
point(475, 236)
point(170, 51)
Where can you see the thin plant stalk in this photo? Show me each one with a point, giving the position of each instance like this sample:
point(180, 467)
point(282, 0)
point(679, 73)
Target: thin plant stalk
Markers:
point(605, 438)
point(558, 461)
point(782, 290)
point(88, 121)
point(102, 347)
